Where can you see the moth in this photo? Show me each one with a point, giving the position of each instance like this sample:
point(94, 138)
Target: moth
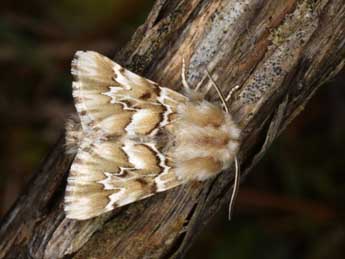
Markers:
point(136, 138)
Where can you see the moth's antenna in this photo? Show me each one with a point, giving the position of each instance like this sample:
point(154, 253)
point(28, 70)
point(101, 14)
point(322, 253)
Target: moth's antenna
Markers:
point(183, 75)
point(220, 94)
point(235, 187)
point(200, 83)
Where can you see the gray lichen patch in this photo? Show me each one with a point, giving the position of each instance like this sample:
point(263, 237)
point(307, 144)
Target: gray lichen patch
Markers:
point(223, 26)
point(302, 15)
point(288, 42)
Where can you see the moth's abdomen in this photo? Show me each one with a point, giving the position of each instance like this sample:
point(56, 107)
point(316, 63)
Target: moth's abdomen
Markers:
point(206, 141)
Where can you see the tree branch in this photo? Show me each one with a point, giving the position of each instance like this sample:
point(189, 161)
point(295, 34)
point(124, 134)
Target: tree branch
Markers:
point(279, 52)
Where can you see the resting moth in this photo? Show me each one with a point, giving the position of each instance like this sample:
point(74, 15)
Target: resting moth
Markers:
point(136, 138)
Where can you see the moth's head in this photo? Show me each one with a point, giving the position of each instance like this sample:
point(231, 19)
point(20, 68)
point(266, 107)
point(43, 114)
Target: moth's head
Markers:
point(206, 126)
point(193, 95)
point(202, 114)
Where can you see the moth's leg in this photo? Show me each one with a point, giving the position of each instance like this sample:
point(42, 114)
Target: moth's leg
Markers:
point(228, 97)
point(183, 75)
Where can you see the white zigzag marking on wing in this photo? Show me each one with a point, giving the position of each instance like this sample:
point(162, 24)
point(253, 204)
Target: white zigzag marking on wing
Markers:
point(107, 181)
point(160, 184)
point(133, 158)
point(116, 98)
point(137, 120)
point(162, 160)
point(122, 170)
point(162, 97)
point(114, 198)
point(125, 81)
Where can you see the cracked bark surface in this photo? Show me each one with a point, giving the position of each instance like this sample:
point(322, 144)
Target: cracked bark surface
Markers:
point(279, 52)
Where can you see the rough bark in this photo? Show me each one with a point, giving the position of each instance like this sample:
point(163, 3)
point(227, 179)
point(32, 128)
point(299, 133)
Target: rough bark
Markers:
point(279, 52)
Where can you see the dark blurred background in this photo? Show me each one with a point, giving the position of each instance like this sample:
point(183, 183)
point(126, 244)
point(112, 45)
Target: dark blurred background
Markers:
point(290, 206)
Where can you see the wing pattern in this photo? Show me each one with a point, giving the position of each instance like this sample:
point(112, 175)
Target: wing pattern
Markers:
point(119, 159)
